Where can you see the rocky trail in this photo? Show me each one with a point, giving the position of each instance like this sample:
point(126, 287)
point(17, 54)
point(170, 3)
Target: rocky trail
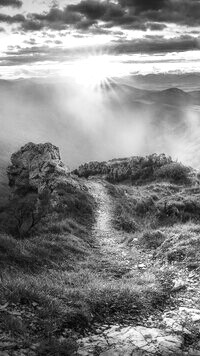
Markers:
point(109, 240)
point(175, 332)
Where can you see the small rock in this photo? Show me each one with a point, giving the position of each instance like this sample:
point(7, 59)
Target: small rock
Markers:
point(141, 266)
point(178, 285)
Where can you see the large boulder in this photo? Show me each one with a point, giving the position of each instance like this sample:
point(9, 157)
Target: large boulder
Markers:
point(34, 167)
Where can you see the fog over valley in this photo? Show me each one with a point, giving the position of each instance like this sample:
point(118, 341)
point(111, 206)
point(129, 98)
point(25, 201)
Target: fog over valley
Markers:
point(115, 119)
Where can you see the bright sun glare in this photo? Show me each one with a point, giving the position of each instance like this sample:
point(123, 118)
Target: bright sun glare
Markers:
point(95, 71)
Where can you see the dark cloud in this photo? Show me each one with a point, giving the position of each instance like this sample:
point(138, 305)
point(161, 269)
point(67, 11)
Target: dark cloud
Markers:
point(13, 3)
point(101, 15)
point(92, 9)
point(65, 16)
point(144, 5)
point(171, 11)
point(155, 26)
point(32, 25)
point(12, 19)
point(157, 44)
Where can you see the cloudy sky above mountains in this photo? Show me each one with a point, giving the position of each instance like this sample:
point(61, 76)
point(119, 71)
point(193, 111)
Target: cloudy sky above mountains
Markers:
point(44, 37)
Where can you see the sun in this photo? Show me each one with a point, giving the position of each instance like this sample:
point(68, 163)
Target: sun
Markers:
point(95, 71)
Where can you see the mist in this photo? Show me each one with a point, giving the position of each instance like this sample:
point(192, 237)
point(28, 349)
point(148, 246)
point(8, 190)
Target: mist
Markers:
point(94, 123)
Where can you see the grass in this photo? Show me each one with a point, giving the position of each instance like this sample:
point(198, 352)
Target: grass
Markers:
point(173, 172)
point(57, 283)
point(182, 243)
point(166, 217)
point(41, 251)
point(152, 239)
point(154, 205)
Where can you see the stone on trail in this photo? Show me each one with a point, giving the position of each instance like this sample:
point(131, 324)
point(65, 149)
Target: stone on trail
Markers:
point(125, 341)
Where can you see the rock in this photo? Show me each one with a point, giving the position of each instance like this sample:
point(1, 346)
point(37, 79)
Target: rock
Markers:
point(128, 340)
point(141, 266)
point(41, 184)
point(193, 352)
point(33, 165)
point(193, 314)
point(192, 266)
point(178, 285)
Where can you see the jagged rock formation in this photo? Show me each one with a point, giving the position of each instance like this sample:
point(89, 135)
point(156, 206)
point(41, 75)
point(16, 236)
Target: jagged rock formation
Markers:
point(134, 169)
point(34, 167)
point(41, 184)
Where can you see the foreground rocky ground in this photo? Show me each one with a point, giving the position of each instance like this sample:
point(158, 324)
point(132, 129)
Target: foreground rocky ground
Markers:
point(175, 331)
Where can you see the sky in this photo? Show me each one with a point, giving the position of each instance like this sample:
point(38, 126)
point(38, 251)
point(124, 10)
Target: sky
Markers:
point(98, 38)
point(98, 44)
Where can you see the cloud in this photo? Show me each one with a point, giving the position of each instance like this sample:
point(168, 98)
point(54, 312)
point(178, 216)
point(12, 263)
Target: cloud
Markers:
point(157, 44)
point(155, 26)
point(171, 11)
point(22, 55)
point(13, 3)
point(148, 45)
point(87, 14)
point(100, 16)
point(12, 19)
point(143, 5)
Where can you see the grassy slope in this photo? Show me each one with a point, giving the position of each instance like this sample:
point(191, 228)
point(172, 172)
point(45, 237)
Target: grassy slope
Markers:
point(55, 284)
point(163, 217)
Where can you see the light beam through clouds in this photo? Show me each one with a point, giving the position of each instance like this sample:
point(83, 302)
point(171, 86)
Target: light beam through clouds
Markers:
point(66, 62)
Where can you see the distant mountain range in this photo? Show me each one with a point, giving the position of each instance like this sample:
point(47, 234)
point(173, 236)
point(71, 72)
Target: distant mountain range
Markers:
point(171, 96)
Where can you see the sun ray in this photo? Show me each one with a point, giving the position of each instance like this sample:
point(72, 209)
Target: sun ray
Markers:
point(95, 71)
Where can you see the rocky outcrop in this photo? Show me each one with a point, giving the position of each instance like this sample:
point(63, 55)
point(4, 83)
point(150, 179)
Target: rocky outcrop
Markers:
point(41, 184)
point(139, 340)
point(34, 167)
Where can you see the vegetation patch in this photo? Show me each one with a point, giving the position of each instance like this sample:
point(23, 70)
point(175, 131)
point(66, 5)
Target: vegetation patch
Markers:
point(182, 244)
point(152, 239)
point(151, 206)
point(173, 172)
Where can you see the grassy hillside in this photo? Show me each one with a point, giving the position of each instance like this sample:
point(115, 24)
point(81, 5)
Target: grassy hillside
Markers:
point(58, 283)
point(55, 287)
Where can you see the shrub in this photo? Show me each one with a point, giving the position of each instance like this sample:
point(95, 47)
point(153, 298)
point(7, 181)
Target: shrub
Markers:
point(178, 208)
point(174, 172)
point(182, 243)
point(144, 205)
point(152, 239)
point(125, 223)
point(123, 219)
point(177, 255)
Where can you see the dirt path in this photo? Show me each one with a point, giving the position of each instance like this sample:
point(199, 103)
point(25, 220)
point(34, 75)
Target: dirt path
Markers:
point(110, 240)
point(119, 340)
point(112, 243)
